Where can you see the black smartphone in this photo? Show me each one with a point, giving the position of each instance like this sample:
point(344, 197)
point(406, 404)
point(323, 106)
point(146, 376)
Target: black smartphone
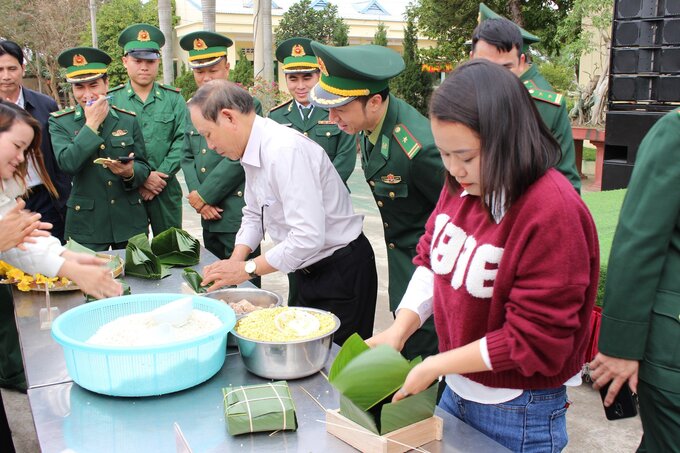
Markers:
point(624, 405)
point(126, 159)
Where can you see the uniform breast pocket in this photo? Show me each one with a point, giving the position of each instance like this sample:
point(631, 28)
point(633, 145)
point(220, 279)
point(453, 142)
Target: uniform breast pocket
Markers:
point(327, 137)
point(663, 344)
point(164, 124)
point(80, 215)
point(122, 146)
point(395, 193)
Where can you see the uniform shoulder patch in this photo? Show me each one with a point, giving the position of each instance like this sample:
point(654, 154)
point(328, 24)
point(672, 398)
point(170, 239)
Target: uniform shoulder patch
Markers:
point(170, 88)
point(63, 112)
point(406, 140)
point(280, 105)
point(116, 88)
point(124, 111)
point(543, 95)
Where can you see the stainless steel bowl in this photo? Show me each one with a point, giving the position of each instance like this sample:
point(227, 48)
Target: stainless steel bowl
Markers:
point(289, 360)
point(256, 296)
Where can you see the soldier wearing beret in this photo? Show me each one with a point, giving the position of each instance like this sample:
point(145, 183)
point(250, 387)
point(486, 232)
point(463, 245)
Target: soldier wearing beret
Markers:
point(400, 160)
point(161, 111)
point(105, 208)
point(499, 40)
point(216, 184)
point(302, 73)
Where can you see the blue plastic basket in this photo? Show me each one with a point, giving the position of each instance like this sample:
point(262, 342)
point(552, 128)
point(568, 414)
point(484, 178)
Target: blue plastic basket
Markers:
point(140, 371)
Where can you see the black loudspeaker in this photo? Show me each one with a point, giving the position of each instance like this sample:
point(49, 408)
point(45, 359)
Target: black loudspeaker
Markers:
point(633, 9)
point(633, 88)
point(633, 60)
point(672, 8)
point(625, 131)
point(671, 31)
point(668, 89)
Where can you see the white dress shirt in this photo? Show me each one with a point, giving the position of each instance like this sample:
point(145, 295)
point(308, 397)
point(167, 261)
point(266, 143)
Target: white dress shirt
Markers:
point(295, 194)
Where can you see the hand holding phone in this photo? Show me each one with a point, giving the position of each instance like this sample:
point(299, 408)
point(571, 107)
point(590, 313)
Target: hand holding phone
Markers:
point(126, 159)
point(624, 405)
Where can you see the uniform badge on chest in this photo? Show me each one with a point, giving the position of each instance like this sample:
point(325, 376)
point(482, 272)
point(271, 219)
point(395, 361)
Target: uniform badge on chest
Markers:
point(391, 179)
point(119, 133)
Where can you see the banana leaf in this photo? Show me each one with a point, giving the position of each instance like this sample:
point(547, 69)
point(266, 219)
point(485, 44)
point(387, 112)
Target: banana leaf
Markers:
point(368, 378)
point(76, 247)
point(352, 347)
point(176, 247)
point(140, 261)
point(194, 280)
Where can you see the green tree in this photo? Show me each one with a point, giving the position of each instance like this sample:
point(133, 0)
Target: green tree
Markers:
point(186, 82)
point(112, 18)
point(322, 25)
point(451, 22)
point(243, 72)
point(413, 85)
point(380, 36)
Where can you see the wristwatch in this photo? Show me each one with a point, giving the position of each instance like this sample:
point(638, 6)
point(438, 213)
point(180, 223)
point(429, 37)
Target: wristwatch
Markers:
point(250, 269)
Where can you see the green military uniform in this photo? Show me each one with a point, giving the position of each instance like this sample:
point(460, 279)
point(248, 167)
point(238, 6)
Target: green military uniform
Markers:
point(296, 56)
point(400, 161)
point(162, 117)
point(104, 209)
point(641, 310)
point(551, 105)
point(219, 181)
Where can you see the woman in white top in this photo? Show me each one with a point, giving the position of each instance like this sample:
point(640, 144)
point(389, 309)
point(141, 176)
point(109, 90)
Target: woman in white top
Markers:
point(38, 252)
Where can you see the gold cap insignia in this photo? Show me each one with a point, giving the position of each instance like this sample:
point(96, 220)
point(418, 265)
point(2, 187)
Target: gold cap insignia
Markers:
point(79, 60)
point(322, 66)
point(143, 35)
point(199, 44)
point(391, 179)
point(119, 133)
point(298, 51)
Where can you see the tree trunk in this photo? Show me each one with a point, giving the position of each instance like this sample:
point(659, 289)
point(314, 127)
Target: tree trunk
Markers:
point(516, 12)
point(165, 22)
point(93, 22)
point(208, 13)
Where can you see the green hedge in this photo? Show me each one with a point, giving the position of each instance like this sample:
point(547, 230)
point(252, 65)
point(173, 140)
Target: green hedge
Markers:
point(604, 207)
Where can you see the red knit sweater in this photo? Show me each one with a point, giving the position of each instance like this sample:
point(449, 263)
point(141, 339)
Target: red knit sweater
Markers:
point(527, 283)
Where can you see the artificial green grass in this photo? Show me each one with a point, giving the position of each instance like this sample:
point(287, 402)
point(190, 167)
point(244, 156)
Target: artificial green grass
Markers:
point(604, 207)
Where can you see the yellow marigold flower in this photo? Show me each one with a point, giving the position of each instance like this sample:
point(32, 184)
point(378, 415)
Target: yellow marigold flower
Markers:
point(15, 274)
point(24, 285)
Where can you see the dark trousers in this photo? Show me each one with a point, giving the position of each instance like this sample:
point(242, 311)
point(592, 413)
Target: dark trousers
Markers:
point(40, 200)
point(6, 444)
point(98, 247)
point(222, 246)
point(11, 363)
point(660, 415)
point(346, 284)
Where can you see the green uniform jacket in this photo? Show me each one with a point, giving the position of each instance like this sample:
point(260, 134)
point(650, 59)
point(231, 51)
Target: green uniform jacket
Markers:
point(102, 208)
point(553, 110)
point(406, 175)
point(218, 180)
point(163, 121)
point(340, 147)
point(641, 315)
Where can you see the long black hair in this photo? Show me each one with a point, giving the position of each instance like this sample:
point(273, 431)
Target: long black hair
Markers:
point(516, 146)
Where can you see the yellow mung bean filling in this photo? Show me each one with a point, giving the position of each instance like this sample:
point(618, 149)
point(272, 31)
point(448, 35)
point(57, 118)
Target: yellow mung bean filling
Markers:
point(261, 325)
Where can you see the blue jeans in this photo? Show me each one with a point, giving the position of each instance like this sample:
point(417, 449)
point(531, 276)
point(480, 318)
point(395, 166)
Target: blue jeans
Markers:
point(535, 421)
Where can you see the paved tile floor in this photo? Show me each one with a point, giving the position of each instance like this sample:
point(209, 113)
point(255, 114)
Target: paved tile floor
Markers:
point(588, 428)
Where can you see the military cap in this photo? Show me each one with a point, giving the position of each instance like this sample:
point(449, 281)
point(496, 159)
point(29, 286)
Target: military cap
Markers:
point(487, 13)
point(351, 71)
point(205, 48)
point(84, 64)
point(142, 41)
point(296, 55)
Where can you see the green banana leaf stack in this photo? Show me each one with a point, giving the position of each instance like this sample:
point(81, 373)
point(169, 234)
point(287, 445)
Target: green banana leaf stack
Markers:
point(153, 260)
point(367, 378)
point(256, 408)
